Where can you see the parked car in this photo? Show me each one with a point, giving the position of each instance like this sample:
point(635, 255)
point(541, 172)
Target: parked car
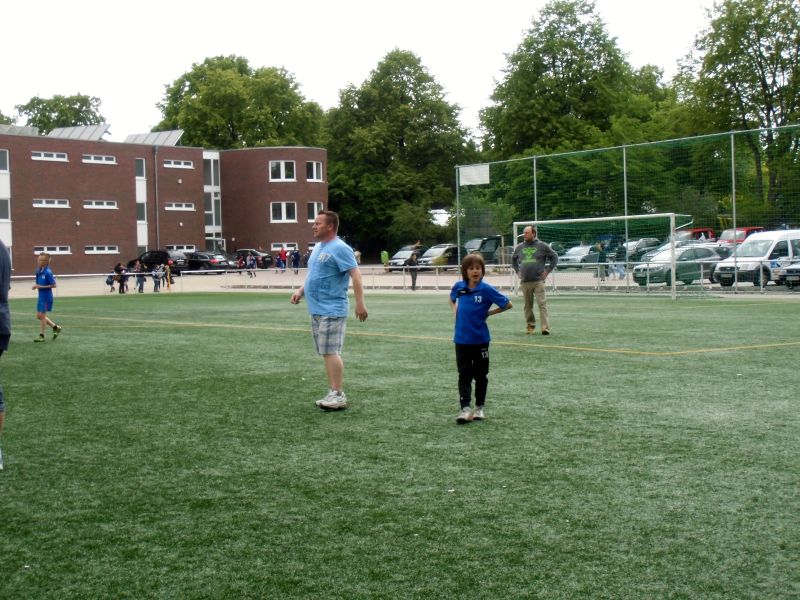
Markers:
point(400, 257)
point(441, 255)
point(485, 246)
point(759, 256)
point(208, 261)
point(791, 275)
point(577, 257)
point(175, 259)
point(263, 259)
point(648, 256)
point(703, 234)
point(692, 262)
point(637, 248)
point(738, 235)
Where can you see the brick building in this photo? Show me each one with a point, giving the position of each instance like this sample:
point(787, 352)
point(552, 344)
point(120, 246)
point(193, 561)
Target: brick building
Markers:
point(95, 203)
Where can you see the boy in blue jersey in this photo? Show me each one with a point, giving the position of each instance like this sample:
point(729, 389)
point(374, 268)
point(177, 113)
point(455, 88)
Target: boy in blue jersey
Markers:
point(45, 282)
point(471, 300)
point(331, 266)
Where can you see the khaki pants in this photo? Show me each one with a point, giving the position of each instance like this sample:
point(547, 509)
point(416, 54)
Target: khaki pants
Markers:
point(535, 290)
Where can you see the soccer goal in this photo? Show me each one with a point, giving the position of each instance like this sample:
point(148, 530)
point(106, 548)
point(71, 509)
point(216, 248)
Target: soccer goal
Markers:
point(602, 252)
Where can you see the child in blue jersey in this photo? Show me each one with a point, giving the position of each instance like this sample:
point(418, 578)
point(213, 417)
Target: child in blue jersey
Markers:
point(45, 282)
point(472, 300)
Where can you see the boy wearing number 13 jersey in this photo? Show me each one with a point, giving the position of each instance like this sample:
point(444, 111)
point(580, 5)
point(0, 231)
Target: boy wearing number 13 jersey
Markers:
point(471, 300)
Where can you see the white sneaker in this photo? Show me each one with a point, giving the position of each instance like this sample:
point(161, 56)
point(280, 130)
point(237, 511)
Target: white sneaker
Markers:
point(330, 395)
point(333, 401)
point(465, 416)
point(478, 414)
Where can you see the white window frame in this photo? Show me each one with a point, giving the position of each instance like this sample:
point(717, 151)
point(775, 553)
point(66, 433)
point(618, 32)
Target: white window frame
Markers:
point(50, 203)
point(318, 207)
point(182, 247)
point(283, 206)
point(316, 166)
point(37, 250)
point(99, 159)
point(175, 163)
point(101, 249)
point(47, 155)
point(277, 246)
point(283, 176)
point(184, 206)
point(143, 163)
point(100, 204)
point(7, 202)
point(8, 164)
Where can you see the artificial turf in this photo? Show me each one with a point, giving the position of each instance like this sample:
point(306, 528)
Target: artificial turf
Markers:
point(169, 447)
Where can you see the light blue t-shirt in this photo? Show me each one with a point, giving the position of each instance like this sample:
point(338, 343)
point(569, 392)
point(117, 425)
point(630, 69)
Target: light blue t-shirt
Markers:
point(328, 278)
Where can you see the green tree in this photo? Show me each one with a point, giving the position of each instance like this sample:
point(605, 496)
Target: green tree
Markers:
point(4, 120)
point(61, 111)
point(224, 103)
point(392, 146)
point(744, 73)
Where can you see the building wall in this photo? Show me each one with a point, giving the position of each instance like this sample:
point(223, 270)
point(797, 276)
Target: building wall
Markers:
point(173, 178)
point(248, 194)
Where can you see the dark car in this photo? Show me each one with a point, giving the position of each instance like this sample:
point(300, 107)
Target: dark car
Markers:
point(692, 262)
point(208, 261)
point(263, 259)
point(638, 248)
point(485, 246)
point(441, 255)
point(175, 259)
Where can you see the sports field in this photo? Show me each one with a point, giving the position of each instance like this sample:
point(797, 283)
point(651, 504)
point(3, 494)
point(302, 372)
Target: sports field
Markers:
point(169, 447)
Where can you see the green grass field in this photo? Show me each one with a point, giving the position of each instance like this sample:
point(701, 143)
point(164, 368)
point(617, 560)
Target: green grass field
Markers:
point(168, 447)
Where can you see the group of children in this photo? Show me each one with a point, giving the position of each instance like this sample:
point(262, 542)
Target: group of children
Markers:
point(160, 274)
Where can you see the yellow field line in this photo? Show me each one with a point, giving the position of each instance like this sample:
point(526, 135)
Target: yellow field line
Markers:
point(508, 343)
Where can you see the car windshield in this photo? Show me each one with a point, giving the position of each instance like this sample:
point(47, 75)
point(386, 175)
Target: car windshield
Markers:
point(402, 254)
point(434, 252)
point(728, 235)
point(754, 248)
point(473, 245)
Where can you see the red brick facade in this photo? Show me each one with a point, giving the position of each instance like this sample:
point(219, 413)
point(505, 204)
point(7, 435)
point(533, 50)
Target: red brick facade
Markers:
point(54, 202)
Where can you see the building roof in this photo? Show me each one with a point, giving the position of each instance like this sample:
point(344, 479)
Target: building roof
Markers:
point(156, 138)
point(19, 130)
point(81, 132)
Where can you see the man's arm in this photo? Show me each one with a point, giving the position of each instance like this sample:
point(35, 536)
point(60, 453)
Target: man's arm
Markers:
point(298, 293)
point(358, 290)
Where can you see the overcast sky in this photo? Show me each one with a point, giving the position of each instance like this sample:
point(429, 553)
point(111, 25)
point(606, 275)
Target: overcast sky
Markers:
point(125, 53)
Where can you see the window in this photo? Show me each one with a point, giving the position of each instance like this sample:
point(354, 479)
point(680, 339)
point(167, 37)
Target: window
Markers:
point(314, 208)
point(50, 203)
point(52, 249)
point(57, 156)
point(277, 246)
point(141, 213)
point(182, 247)
point(100, 204)
point(313, 171)
point(140, 172)
point(179, 206)
point(281, 170)
point(213, 208)
point(100, 159)
point(211, 172)
point(101, 249)
point(5, 209)
point(3, 161)
point(178, 164)
point(283, 212)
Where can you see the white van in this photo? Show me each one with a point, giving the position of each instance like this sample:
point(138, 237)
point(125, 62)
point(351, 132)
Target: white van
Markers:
point(762, 257)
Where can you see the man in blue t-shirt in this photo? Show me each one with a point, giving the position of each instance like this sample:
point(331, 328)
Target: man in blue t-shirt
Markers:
point(331, 266)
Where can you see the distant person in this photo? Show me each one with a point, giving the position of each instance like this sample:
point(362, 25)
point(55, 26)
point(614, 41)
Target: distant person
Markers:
point(283, 256)
point(471, 300)
point(304, 259)
point(412, 264)
point(331, 267)
point(5, 327)
point(385, 258)
point(121, 277)
point(45, 282)
point(138, 269)
point(601, 261)
point(158, 275)
point(295, 257)
point(357, 254)
point(533, 261)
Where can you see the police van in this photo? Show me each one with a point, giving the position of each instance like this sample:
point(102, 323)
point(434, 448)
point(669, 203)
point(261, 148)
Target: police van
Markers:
point(762, 257)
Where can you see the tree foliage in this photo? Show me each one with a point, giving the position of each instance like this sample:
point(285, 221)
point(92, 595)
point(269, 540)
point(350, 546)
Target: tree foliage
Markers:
point(567, 86)
point(744, 73)
point(392, 146)
point(224, 103)
point(47, 114)
point(4, 120)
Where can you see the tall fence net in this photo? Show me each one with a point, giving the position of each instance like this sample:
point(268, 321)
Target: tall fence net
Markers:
point(722, 181)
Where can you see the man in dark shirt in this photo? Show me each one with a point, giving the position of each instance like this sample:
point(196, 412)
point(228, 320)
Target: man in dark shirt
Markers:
point(533, 261)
